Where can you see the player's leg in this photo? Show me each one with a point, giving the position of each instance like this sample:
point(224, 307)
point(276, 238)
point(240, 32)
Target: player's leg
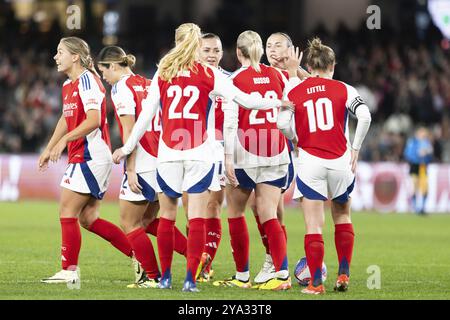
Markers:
point(344, 240)
point(151, 222)
point(70, 206)
point(267, 199)
point(340, 185)
point(213, 234)
point(314, 215)
point(131, 214)
point(311, 182)
point(185, 203)
point(237, 198)
point(91, 221)
point(423, 187)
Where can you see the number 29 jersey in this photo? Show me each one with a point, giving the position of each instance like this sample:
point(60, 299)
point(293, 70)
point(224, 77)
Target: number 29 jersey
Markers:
point(260, 143)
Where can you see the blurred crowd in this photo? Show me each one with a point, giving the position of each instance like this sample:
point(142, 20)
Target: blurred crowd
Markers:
point(405, 85)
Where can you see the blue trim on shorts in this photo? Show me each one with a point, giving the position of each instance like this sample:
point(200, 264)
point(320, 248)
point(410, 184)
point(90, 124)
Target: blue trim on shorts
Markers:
point(220, 172)
point(244, 180)
point(165, 188)
point(290, 174)
point(208, 109)
point(91, 181)
point(147, 190)
point(308, 192)
point(86, 153)
point(73, 170)
point(203, 184)
point(343, 198)
point(279, 183)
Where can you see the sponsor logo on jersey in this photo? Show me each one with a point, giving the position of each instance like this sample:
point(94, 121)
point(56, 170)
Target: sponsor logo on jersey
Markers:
point(75, 94)
point(261, 80)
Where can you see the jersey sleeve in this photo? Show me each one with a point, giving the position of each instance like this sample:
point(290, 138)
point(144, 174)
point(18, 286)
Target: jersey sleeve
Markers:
point(149, 108)
point(224, 87)
point(354, 100)
point(90, 92)
point(123, 99)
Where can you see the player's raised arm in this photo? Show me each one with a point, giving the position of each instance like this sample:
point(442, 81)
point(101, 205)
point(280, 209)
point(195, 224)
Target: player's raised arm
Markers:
point(224, 87)
point(149, 108)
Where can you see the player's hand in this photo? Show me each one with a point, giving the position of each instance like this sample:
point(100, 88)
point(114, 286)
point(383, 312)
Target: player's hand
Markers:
point(118, 155)
point(133, 182)
point(57, 150)
point(43, 160)
point(292, 63)
point(289, 105)
point(229, 170)
point(354, 160)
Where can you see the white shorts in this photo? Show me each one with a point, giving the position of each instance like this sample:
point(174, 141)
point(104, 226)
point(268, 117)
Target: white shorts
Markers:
point(219, 179)
point(150, 187)
point(273, 175)
point(189, 176)
point(87, 177)
point(316, 182)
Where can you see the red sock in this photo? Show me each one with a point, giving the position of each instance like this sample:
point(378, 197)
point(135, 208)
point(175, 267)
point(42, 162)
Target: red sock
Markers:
point(213, 232)
point(344, 237)
point(285, 233)
point(71, 242)
point(195, 244)
point(113, 234)
point(263, 234)
point(239, 243)
point(144, 252)
point(180, 245)
point(314, 256)
point(277, 242)
point(165, 241)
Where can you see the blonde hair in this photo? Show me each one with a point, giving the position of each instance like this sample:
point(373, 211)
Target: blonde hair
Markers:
point(183, 55)
point(114, 54)
point(251, 46)
point(320, 57)
point(79, 47)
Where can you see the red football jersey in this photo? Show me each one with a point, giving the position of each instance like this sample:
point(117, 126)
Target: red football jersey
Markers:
point(84, 94)
point(321, 115)
point(257, 130)
point(185, 108)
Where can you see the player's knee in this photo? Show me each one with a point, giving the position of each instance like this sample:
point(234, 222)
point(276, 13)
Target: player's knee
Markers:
point(213, 208)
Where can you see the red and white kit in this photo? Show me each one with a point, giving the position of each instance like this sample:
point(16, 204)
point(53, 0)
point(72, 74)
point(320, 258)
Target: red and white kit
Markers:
point(321, 126)
point(261, 153)
point(90, 157)
point(186, 153)
point(127, 95)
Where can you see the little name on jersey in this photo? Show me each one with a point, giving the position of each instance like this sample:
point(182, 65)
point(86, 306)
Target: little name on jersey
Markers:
point(315, 89)
point(68, 109)
point(261, 80)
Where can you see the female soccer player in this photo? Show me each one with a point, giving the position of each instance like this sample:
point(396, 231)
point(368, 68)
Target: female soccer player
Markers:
point(138, 198)
point(277, 47)
point(84, 130)
point(262, 161)
point(327, 163)
point(211, 53)
point(181, 88)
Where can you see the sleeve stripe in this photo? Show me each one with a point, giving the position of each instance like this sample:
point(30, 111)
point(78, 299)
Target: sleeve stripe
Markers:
point(86, 82)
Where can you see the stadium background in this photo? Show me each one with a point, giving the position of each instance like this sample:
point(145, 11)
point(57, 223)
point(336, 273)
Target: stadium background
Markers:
point(402, 70)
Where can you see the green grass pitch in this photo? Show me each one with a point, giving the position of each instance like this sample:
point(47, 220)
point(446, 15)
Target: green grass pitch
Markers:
point(412, 252)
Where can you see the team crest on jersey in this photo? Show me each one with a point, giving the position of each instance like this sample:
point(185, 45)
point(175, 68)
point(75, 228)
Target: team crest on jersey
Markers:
point(74, 94)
